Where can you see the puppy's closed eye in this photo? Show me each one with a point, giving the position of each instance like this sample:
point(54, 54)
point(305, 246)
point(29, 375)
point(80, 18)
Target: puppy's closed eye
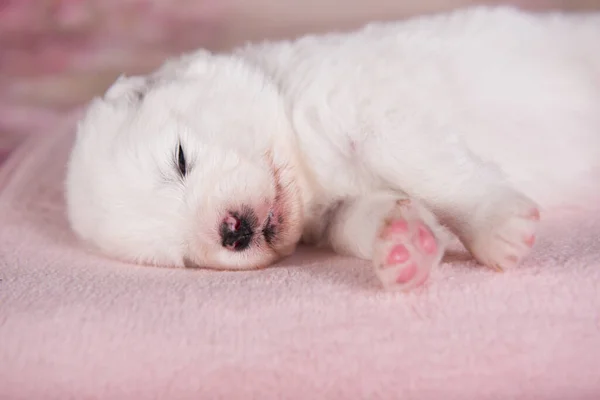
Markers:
point(181, 161)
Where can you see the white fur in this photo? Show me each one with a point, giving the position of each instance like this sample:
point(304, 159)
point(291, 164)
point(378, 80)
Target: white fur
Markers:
point(479, 115)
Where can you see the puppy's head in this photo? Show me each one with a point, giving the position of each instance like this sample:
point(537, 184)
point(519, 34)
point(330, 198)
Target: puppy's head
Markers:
point(189, 166)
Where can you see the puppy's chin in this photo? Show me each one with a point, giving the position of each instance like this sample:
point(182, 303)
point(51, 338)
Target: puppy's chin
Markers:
point(252, 260)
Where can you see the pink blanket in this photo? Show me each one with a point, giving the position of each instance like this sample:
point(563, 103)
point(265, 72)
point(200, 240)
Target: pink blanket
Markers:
point(76, 325)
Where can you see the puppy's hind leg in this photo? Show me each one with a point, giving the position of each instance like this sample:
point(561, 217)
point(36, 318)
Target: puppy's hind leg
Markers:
point(401, 237)
point(495, 222)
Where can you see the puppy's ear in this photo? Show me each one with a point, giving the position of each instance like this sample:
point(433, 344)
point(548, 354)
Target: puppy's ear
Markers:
point(184, 64)
point(129, 89)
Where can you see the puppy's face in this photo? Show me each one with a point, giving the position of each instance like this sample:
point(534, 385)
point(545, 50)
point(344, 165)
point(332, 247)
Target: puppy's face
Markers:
point(189, 167)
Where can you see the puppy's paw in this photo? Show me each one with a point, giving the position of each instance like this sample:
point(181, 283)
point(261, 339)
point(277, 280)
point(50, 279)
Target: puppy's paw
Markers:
point(508, 234)
point(406, 247)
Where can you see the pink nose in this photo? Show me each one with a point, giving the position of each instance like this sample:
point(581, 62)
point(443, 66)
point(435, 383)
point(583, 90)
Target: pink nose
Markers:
point(233, 223)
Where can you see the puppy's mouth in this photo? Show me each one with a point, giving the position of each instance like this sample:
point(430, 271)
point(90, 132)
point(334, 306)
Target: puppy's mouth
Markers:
point(274, 223)
point(269, 230)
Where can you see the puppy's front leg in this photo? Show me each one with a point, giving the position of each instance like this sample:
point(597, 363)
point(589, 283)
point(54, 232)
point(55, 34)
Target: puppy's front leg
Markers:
point(400, 236)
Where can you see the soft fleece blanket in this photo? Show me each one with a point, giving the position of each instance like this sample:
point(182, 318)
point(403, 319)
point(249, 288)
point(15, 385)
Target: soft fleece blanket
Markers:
point(74, 325)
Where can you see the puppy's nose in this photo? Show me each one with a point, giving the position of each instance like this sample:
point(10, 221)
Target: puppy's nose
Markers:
point(237, 231)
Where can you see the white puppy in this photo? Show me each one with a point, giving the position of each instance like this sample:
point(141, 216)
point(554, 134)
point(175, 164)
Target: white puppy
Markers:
point(367, 142)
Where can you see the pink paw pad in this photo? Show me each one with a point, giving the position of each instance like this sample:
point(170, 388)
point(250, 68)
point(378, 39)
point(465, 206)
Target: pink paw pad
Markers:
point(406, 250)
point(407, 273)
point(397, 227)
point(398, 255)
point(425, 240)
point(530, 240)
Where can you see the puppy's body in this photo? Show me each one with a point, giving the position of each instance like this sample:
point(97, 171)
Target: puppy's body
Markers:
point(471, 118)
point(518, 91)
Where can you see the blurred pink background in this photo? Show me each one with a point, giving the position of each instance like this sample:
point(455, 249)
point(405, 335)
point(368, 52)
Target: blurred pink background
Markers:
point(57, 54)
